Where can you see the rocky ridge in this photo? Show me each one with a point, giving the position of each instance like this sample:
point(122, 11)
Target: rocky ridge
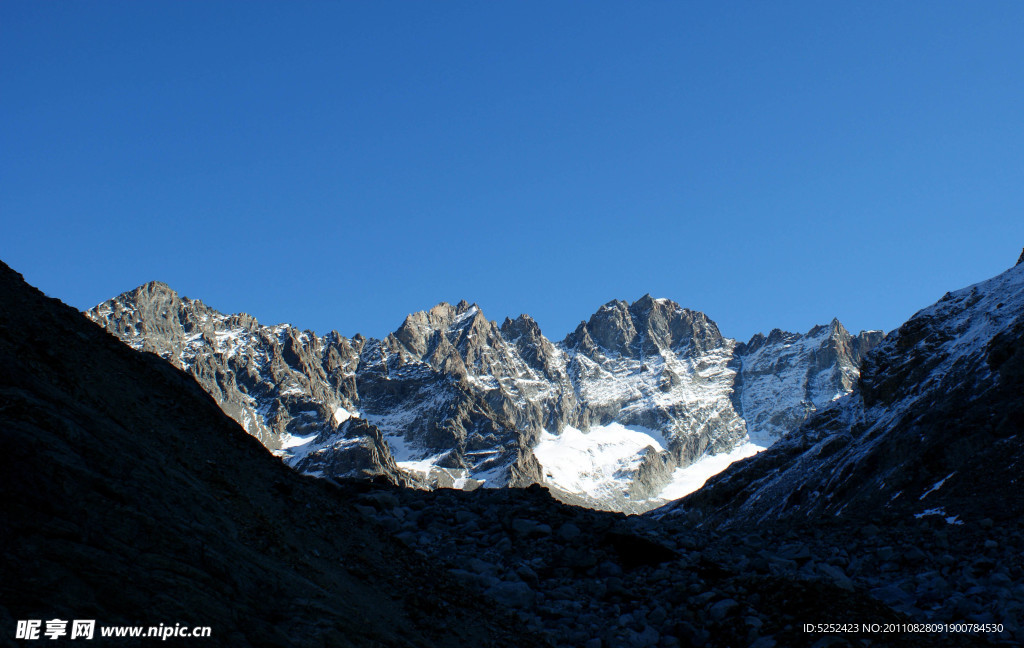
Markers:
point(453, 399)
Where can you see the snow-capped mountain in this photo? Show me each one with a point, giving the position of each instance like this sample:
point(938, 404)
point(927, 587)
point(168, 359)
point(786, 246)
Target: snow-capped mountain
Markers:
point(613, 416)
point(934, 430)
point(161, 478)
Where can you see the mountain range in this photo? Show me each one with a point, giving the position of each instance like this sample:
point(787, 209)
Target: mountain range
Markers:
point(130, 497)
point(610, 417)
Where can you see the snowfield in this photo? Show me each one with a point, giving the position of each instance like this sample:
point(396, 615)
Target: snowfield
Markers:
point(690, 479)
point(595, 463)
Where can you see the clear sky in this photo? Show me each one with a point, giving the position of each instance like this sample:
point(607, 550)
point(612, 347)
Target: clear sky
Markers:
point(338, 165)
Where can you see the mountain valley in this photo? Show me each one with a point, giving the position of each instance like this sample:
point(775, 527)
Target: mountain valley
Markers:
point(132, 498)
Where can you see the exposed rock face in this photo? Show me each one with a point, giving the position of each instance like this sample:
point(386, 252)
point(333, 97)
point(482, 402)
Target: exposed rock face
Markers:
point(131, 499)
point(935, 428)
point(453, 399)
point(281, 384)
point(820, 366)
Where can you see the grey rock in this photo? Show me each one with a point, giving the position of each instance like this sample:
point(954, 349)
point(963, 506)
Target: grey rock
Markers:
point(837, 576)
point(794, 551)
point(892, 595)
point(463, 516)
point(480, 567)
point(527, 574)
point(366, 511)
point(914, 555)
point(380, 499)
point(704, 597)
point(1000, 579)
point(530, 528)
point(568, 532)
point(514, 595)
point(474, 579)
point(607, 569)
point(646, 637)
point(721, 609)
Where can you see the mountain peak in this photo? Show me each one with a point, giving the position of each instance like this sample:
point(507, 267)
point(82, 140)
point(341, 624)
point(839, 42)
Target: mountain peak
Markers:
point(156, 285)
point(514, 329)
point(645, 302)
point(151, 288)
point(440, 311)
point(1021, 259)
point(644, 327)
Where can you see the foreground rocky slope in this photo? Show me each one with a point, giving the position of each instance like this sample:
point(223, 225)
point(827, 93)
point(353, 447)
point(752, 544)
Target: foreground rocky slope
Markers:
point(607, 418)
point(130, 498)
point(598, 580)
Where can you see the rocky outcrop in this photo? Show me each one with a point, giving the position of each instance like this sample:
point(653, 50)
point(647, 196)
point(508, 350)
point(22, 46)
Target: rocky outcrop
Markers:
point(784, 377)
point(453, 399)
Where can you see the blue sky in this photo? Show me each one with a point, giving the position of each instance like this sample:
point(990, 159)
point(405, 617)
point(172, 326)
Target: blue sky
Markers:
point(338, 165)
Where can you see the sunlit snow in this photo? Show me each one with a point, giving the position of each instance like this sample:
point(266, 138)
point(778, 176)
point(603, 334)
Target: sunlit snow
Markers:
point(292, 441)
point(937, 485)
point(941, 512)
point(341, 415)
point(421, 467)
point(597, 462)
point(689, 479)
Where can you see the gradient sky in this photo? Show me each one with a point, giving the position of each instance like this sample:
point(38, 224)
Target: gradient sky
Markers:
point(338, 165)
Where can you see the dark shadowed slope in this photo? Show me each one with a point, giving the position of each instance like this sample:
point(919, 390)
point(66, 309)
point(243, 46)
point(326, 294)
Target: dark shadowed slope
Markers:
point(130, 498)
